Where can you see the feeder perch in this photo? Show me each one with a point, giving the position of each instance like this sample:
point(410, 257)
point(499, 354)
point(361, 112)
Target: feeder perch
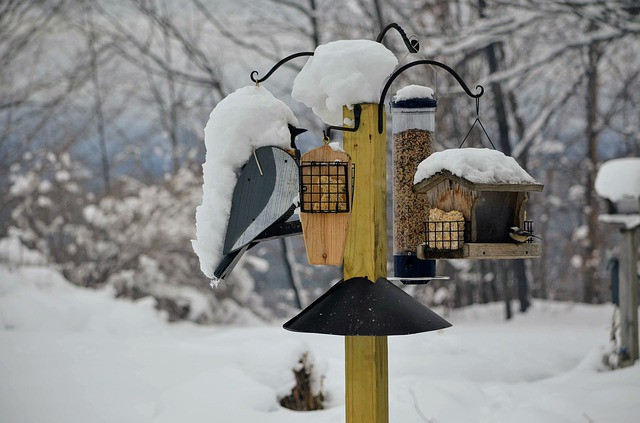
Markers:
point(470, 218)
point(325, 203)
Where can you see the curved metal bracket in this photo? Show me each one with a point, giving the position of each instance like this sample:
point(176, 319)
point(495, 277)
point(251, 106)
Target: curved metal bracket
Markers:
point(357, 110)
point(254, 74)
point(416, 63)
point(412, 45)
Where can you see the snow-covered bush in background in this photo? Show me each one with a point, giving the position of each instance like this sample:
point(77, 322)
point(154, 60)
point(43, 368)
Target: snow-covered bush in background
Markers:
point(147, 233)
point(47, 203)
point(136, 240)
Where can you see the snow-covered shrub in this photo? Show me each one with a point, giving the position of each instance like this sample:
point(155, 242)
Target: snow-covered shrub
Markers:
point(136, 239)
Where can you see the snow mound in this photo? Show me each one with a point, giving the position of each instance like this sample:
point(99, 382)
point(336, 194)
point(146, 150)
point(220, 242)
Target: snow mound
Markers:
point(413, 91)
point(77, 355)
point(477, 165)
point(343, 73)
point(618, 179)
point(40, 299)
point(14, 252)
point(249, 118)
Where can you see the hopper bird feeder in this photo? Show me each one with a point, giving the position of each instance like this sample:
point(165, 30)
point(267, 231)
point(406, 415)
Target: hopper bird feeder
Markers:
point(475, 197)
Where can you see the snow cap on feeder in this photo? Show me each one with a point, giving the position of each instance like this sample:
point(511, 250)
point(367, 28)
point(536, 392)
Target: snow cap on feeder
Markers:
point(249, 179)
point(618, 182)
point(415, 108)
point(413, 120)
point(382, 309)
point(343, 73)
point(476, 195)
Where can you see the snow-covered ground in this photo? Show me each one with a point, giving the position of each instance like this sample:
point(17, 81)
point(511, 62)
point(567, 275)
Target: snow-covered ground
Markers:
point(74, 355)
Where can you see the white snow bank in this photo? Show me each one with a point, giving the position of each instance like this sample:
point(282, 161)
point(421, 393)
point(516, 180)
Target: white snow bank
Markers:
point(14, 252)
point(251, 117)
point(618, 179)
point(413, 91)
point(477, 165)
point(40, 299)
point(343, 73)
point(76, 355)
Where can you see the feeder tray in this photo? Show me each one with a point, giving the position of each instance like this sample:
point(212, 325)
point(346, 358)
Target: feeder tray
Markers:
point(485, 250)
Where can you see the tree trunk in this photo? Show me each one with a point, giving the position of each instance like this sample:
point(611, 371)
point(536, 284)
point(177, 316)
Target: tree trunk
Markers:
point(289, 261)
point(315, 30)
point(502, 119)
point(591, 293)
point(503, 276)
point(98, 107)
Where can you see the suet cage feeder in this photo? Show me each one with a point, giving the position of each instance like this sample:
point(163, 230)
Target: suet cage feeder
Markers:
point(324, 187)
point(326, 180)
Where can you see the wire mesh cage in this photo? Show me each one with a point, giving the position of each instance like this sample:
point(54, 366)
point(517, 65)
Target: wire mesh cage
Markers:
point(528, 226)
point(324, 187)
point(445, 235)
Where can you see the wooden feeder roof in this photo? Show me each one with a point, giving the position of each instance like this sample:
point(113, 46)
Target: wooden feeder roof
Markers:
point(427, 184)
point(476, 169)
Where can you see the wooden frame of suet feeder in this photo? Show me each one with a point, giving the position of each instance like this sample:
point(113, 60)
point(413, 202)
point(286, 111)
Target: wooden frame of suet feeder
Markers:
point(488, 211)
point(326, 181)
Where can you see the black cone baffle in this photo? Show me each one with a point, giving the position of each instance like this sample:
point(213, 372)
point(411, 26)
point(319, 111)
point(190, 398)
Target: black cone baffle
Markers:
point(358, 307)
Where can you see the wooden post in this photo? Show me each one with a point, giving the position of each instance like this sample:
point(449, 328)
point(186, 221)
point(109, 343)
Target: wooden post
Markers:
point(366, 364)
point(629, 294)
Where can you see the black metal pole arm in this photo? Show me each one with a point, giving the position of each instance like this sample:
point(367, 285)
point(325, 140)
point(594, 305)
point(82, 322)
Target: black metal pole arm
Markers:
point(412, 45)
point(254, 74)
point(357, 111)
point(416, 63)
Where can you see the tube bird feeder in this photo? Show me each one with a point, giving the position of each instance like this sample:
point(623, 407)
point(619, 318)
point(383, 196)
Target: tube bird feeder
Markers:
point(413, 120)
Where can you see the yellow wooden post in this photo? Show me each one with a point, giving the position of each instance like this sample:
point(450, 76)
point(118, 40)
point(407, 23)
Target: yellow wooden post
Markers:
point(366, 364)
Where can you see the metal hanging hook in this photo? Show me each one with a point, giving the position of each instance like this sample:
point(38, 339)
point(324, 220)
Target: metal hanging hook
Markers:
point(357, 110)
point(254, 74)
point(477, 120)
point(413, 45)
point(416, 63)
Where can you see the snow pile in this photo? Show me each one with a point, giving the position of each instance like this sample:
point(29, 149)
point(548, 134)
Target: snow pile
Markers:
point(39, 299)
point(343, 73)
point(413, 91)
point(251, 117)
point(74, 355)
point(618, 179)
point(14, 252)
point(477, 165)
